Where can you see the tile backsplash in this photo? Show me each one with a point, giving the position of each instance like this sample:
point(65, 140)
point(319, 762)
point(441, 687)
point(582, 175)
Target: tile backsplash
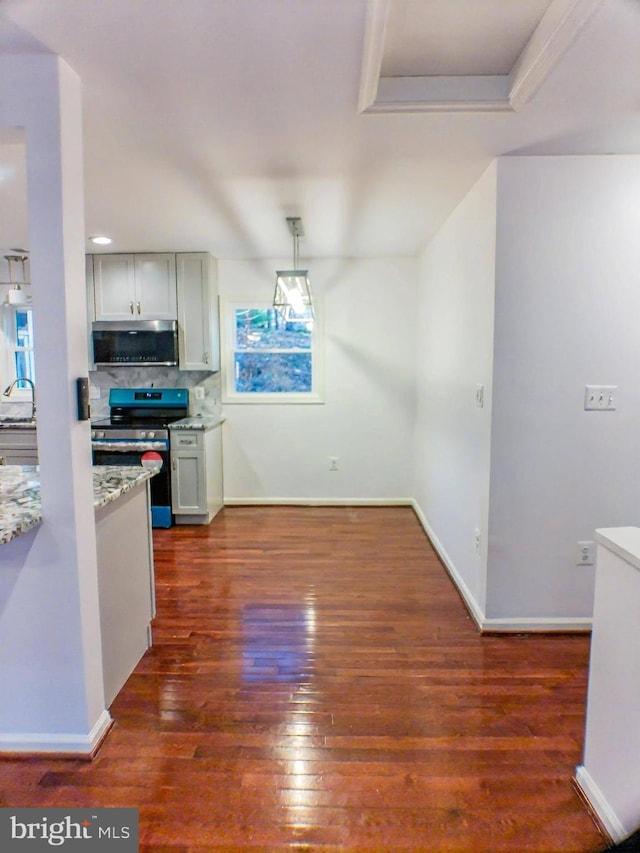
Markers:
point(139, 377)
point(156, 377)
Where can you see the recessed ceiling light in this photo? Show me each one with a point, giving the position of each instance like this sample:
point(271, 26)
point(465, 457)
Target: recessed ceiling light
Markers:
point(101, 240)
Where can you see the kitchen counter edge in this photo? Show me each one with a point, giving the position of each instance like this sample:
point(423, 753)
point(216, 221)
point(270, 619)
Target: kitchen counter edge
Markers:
point(201, 422)
point(20, 493)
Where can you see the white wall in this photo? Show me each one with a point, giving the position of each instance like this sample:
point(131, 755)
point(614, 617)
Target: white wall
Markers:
point(281, 452)
point(567, 311)
point(455, 343)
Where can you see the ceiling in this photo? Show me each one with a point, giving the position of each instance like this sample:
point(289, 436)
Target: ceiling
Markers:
point(208, 122)
point(458, 36)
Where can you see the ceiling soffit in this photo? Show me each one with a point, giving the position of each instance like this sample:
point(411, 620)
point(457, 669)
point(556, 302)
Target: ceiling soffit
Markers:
point(509, 90)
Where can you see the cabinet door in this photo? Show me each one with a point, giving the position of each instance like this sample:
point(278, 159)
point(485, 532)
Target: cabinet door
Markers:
point(91, 307)
point(188, 482)
point(198, 334)
point(114, 283)
point(155, 287)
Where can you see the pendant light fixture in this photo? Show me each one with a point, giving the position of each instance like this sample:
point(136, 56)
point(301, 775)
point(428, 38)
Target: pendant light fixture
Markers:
point(292, 296)
point(16, 295)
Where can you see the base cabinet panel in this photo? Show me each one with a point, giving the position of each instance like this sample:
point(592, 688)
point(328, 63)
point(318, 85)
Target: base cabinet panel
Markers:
point(18, 447)
point(126, 585)
point(196, 475)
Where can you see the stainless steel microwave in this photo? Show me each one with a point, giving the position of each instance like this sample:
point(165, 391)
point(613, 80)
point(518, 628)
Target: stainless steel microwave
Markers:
point(135, 342)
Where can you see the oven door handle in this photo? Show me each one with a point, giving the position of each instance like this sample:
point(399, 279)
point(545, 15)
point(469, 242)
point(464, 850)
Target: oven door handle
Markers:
point(129, 446)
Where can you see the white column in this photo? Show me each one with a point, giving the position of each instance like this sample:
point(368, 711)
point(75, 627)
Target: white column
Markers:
point(51, 693)
point(609, 776)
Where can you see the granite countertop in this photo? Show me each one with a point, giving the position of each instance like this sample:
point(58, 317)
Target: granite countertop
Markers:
point(203, 422)
point(17, 423)
point(20, 508)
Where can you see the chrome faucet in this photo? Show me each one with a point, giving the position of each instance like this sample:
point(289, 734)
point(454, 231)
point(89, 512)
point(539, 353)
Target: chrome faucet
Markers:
point(7, 392)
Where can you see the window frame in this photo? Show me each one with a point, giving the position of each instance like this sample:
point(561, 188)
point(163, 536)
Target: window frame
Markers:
point(228, 307)
point(9, 332)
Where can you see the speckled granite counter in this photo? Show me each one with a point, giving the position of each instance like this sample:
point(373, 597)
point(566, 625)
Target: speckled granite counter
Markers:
point(17, 423)
point(203, 422)
point(20, 508)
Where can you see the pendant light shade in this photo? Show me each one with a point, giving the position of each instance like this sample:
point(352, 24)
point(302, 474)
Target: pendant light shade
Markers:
point(292, 296)
point(16, 295)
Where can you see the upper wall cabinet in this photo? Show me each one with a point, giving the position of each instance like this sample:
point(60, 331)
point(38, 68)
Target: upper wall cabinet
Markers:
point(198, 336)
point(135, 287)
point(165, 287)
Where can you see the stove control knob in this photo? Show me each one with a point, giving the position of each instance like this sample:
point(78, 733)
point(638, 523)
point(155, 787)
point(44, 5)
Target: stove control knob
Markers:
point(151, 434)
point(93, 433)
point(142, 434)
point(97, 433)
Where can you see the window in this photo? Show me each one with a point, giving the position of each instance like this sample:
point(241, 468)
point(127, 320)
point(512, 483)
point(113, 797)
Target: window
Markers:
point(269, 359)
point(18, 328)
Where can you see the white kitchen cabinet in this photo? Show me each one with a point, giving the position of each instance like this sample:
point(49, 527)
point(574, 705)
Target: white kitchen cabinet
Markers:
point(196, 475)
point(198, 328)
point(91, 308)
point(18, 447)
point(135, 287)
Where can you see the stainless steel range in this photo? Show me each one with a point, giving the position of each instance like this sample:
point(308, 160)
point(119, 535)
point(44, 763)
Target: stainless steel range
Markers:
point(136, 433)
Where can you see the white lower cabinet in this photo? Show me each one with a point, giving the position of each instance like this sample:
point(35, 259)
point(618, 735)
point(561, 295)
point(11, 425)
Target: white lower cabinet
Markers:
point(18, 447)
point(196, 475)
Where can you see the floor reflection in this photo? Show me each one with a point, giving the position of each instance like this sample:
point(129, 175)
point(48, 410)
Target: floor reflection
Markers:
point(278, 642)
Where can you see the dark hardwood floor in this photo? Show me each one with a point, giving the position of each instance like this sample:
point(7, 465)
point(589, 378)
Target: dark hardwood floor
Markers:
point(317, 685)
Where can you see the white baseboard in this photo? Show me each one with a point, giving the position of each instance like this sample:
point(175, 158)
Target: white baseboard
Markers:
point(475, 611)
point(531, 624)
point(509, 625)
point(599, 805)
point(318, 501)
point(67, 744)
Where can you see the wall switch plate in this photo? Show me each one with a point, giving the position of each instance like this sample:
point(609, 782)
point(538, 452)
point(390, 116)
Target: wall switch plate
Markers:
point(333, 463)
point(600, 398)
point(199, 392)
point(586, 554)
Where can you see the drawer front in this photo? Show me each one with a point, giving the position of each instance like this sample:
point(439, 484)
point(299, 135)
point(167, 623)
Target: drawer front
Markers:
point(23, 439)
point(185, 440)
point(18, 457)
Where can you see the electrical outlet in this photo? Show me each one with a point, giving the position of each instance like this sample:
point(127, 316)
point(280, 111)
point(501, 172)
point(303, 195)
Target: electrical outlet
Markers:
point(477, 540)
point(199, 392)
point(586, 553)
point(333, 463)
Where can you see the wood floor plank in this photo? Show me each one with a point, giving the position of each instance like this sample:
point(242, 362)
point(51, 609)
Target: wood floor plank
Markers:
point(316, 684)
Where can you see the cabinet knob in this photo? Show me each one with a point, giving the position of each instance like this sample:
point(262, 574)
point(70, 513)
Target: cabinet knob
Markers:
point(131, 307)
point(138, 307)
point(205, 358)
